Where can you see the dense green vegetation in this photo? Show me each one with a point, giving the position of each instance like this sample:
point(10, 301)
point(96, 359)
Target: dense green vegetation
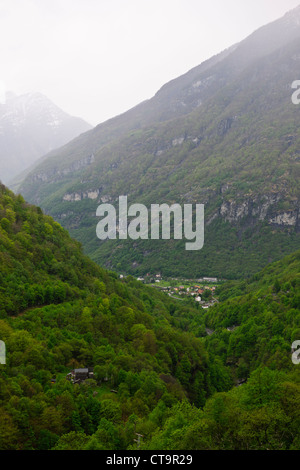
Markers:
point(61, 311)
point(252, 332)
point(157, 371)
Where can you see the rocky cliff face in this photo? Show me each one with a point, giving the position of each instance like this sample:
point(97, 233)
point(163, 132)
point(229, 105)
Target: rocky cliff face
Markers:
point(258, 208)
point(55, 174)
point(93, 194)
point(262, 208)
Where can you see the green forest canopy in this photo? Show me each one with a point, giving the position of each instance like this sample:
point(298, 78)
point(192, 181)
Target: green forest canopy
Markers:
point(157, 370)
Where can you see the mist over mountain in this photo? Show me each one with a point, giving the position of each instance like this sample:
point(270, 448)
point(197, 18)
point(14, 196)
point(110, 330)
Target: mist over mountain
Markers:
point(91, 358)
point(225, 134)
point(31, 126)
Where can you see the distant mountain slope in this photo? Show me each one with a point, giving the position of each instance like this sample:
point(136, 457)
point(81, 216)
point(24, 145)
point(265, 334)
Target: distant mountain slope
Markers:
point(31, 126)
point(225, 134)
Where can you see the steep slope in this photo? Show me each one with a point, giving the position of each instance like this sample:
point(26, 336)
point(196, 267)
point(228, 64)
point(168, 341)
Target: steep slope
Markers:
point(252, 333)
point(31, 126)
point(258, 319)
point(60, 311)
point(152, 376)
point(225, 134)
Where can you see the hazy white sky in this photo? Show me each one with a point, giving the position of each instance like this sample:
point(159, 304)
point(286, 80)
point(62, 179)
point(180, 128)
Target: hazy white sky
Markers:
point(98, 58)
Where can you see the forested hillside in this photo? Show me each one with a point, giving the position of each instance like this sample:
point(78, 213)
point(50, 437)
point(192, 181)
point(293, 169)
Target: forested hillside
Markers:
point(60, 311)
point(251, 332)
point(161, 368)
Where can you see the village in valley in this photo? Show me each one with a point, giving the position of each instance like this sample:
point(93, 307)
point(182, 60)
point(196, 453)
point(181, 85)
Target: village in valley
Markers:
point(201, 290)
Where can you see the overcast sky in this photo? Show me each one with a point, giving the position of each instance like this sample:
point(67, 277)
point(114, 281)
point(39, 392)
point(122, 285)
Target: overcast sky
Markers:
point(98, 58)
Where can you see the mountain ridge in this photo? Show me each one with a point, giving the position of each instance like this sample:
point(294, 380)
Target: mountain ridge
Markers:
point(236, 152)
point(31, 125)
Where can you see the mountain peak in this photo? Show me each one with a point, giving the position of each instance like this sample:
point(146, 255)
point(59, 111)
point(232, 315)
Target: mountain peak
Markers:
point(31, 125)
